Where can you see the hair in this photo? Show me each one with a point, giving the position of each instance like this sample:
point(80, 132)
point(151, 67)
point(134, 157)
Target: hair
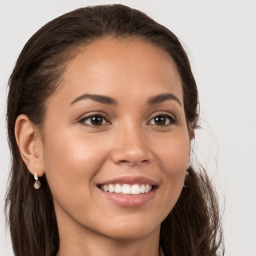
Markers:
point(193, 227)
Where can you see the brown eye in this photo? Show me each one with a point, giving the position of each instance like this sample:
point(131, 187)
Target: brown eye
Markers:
point(162, 120)
point(94, 120)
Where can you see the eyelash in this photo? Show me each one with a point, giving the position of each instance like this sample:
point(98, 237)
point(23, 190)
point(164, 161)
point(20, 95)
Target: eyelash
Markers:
point(103, 117)
point(171, 118)
point(91, 115)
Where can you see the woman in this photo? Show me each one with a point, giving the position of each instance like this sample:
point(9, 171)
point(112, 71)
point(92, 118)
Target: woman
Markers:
point(102, 109)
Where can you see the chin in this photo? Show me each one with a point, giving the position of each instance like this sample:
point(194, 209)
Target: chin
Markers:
point(131, 234)
point(130, 229)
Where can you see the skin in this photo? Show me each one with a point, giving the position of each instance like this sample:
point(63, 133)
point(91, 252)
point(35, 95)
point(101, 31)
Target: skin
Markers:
point(75, 155)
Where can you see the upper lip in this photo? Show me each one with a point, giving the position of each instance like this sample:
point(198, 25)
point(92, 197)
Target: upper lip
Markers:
point(130, 180)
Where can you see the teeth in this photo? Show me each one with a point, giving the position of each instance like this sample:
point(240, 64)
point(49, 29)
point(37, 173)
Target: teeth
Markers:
point(126, 189)
point(111, 188)
point(118, 189)
point(135, 189)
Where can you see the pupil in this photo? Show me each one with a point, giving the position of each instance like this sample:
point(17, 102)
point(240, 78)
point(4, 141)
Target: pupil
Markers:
point(160, 120)
point(96, 120)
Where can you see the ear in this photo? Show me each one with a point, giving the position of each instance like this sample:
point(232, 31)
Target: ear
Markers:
point(191, 129)
point(28, 138)
point(191, 132)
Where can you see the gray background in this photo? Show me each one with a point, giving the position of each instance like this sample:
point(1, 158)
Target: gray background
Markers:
point(220, 38)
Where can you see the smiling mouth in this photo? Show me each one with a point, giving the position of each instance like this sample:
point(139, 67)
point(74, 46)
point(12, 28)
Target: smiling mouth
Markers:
point(127, 189)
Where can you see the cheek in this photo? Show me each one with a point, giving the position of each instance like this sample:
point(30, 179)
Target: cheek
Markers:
point(70, 159)
point(173, 161)
point(173, 154)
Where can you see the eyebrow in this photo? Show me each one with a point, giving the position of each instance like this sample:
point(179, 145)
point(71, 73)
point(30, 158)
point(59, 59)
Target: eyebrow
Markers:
point(111, 101)
point(163, 97)
point(99, 98)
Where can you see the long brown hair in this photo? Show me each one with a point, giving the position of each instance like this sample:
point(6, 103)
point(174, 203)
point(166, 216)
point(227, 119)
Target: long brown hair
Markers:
point(193, 226)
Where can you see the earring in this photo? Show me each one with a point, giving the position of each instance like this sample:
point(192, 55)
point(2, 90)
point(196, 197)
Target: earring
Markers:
point(37, 183)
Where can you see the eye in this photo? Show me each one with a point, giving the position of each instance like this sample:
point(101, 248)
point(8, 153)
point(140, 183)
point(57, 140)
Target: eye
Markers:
point(94, 120)
point(162, 120)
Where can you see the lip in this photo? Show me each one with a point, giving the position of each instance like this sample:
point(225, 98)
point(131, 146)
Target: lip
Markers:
point(130, 201)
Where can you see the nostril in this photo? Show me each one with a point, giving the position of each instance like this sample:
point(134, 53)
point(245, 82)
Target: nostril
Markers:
point(132, 162)
point(130, 156)
point(125, 162)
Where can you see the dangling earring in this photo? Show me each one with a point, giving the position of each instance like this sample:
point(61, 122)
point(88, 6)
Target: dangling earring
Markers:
point(37, 183)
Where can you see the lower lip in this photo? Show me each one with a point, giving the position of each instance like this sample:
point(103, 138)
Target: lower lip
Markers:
point(130, 200)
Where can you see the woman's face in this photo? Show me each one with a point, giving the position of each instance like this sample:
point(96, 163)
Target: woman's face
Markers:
point(115, 140)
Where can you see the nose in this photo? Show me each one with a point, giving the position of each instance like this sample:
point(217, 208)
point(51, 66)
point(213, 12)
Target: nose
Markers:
point(131, 147)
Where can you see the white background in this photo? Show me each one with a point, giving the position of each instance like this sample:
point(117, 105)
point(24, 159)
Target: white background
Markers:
point(220, 38)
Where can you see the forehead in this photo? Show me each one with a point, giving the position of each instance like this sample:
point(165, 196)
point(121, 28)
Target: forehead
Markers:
point(126, 65)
